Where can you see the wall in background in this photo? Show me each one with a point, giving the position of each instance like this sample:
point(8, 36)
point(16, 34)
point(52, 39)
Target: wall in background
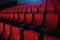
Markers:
point(24, 1)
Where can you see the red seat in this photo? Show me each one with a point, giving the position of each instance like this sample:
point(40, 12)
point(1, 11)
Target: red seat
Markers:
point(50, 38)
point(50, 9)
point(43, 4)
point(21, 17)
point(38, 18)
point(4, 15)
point(8, 10)
point(49, 4)
point(16, 10)
point(32, 4)
point(28, 18)
point(1, 28)
point(4, 11)
point(11, 16)
point(29, 35)
point(6, 32)
point(28, 10)
point(11, 10)
point(15, 33)
point(39, 3)
point(19, 10)
point(15, 17)
point(41, 10)
point(51, 21)
point(1, 15)
point(24, 10)
point(7, 16)
point(58, 9)
point(34, 9)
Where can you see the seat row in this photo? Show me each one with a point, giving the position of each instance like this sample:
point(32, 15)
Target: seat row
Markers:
point(57, 5)
point(48, 6)
point(32, 8)
point(51, 20)
point(10, 32)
